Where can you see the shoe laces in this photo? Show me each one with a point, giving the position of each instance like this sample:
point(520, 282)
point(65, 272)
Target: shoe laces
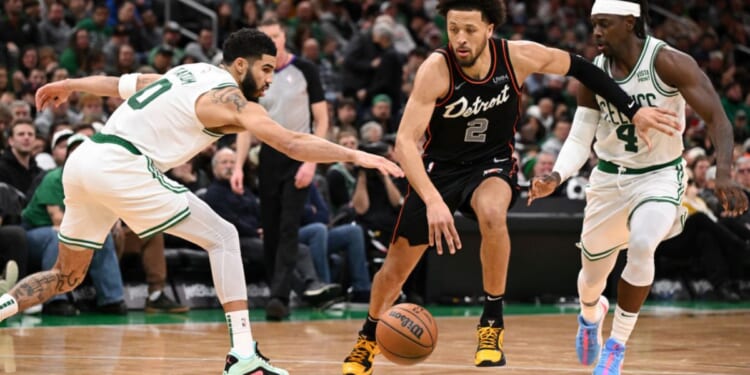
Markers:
point(488, 338)
point(362, 350)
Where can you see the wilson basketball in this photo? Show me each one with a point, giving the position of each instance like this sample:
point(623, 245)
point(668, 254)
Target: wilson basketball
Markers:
point(406, 334)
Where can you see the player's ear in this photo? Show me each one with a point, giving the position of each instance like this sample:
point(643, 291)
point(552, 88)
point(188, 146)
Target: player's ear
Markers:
point(630, 23)
point(240, 65)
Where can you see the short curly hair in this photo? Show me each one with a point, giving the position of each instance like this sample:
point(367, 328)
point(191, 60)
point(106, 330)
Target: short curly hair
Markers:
point(247, 43)
point(493, 11)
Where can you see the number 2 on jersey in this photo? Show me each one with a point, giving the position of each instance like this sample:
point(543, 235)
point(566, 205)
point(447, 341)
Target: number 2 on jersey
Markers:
point(476, 129)
point(626, 133)
point(141, 98)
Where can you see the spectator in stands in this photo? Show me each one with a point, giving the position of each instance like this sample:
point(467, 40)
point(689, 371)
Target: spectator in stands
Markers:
point(42, 218)
point(371, 132)
point(328, 75)
point(346, 239)
point(376, 200)
point(204, 49)
point(380, 112)
point(163, 58)
point(17, 167)
point(76, 57)
point(699, 166)
point(243, 211)
point(170, 41)
point(127, 61)
point(361, 60)
point(346, 114)
point(120, 37)
point(341, 178)
point(732, 101)
point(53, 30)
point(126, 18)
point(29, 60)
point(151, 251)
point(13, 248)
point(90, 109)
point(97, 26)
point(560, 132)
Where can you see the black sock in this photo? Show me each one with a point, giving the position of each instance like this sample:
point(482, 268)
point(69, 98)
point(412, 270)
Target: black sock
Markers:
point(368, 329)
point(492, 315)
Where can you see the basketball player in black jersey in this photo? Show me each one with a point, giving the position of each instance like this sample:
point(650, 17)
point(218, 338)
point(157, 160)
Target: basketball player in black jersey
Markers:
point(466, 101)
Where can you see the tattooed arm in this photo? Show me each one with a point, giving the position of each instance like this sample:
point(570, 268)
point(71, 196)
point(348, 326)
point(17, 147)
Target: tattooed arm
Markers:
point(228, 110)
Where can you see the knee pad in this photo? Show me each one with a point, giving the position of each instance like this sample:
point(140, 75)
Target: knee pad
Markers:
point(639, 269)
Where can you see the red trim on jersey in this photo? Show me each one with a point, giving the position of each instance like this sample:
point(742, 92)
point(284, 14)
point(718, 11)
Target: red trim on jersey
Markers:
point(493, 65)
point(400, 214)
point(509, 68)
point(428, 138)
point(514, 170)
point(447, 96)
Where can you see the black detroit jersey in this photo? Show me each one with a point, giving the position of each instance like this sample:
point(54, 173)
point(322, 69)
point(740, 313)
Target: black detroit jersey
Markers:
point(476, 120)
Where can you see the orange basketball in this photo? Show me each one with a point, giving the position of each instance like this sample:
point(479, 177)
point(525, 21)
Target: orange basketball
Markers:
point(406, 334)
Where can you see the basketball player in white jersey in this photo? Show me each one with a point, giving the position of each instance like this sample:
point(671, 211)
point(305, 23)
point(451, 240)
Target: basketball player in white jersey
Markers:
point(164, 122)
point(634, 196)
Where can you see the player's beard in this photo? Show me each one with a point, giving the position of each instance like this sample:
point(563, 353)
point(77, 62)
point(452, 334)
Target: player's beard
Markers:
point(469, 63)
point(250, 88)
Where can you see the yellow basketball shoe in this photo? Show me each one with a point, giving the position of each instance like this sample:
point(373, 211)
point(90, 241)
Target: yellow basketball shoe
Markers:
point(490, 347)
point(360, 360)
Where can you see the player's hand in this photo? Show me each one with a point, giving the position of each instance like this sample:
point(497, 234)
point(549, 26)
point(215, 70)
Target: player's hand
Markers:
point(733, 199)
point(237, 181)
point(440, 224)
point(380, 163)
point(659, 119)
point(304, 175)
point(543, 186)
point(52, 94)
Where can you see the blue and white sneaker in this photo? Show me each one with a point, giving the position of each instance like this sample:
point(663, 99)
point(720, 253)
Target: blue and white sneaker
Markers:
point(611, 359)
point(256, 364)
point(589, 337)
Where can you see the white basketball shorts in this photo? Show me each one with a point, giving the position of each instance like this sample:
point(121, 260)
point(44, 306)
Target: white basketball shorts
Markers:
point(107, 179)
point(611, 199)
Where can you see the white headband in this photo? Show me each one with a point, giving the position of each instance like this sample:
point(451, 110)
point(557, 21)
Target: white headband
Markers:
point(616, 7)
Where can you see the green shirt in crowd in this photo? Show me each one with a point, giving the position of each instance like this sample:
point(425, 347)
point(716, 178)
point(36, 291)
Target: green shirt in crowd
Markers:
point(49, 193)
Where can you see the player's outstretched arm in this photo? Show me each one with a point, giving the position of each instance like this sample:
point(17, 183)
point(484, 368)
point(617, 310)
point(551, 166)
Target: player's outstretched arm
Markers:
point(56, 93)
point(220, 107)
point(682, 72)
point(529, 57)
point(431, 83)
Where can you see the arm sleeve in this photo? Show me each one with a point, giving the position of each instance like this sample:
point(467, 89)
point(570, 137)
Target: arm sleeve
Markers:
point(602, 84)
point(577, 147)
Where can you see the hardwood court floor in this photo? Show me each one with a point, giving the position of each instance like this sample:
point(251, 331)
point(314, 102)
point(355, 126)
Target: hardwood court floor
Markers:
point(686, 344)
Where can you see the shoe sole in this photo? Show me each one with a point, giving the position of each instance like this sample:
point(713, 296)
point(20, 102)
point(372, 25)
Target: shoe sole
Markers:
point(491, 363)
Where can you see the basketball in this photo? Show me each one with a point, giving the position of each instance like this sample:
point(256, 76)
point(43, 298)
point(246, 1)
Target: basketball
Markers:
point(406, 334)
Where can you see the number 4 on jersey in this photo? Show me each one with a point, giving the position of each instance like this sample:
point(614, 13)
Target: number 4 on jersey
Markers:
point(626, 133)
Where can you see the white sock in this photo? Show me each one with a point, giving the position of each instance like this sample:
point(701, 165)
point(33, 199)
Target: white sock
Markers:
point(623, 325)
point(154, 295)
point(241, 337)
point(8, 306)
point(593, 313)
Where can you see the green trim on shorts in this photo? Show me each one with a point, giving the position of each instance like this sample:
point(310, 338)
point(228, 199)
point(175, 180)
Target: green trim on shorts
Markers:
point(174, 220)
point(156, 174)
point(79, 242)
point(609, 167)
point(674, 200)
point(113, 139)
point(602, 255)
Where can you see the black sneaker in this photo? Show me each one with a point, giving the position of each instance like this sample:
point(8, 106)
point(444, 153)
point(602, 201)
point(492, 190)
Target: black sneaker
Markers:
point(60, 307)
point(115, 308)
point(318, 293)
point(276, 310)
point(164, 304)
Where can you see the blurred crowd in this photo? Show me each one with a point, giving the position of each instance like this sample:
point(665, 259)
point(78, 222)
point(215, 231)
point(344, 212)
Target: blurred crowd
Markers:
point(367, 53)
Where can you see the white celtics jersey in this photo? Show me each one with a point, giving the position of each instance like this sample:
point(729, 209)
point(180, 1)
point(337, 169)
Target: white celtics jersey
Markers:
point(616, 139)
point(160, 119)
